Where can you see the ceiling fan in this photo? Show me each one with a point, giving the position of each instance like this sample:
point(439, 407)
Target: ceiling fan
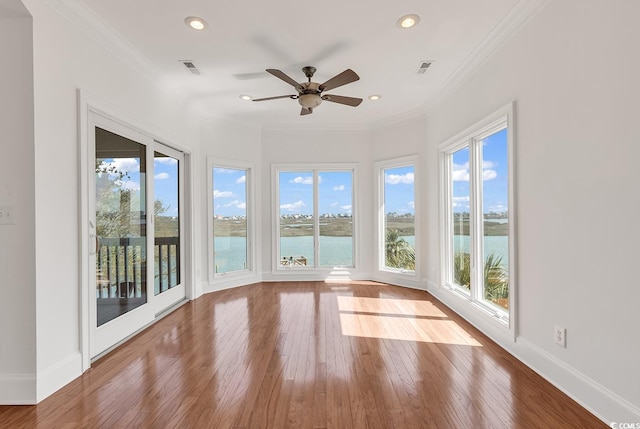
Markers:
point(310, 94)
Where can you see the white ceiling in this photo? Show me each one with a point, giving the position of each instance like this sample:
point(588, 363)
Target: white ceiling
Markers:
point(244, 38)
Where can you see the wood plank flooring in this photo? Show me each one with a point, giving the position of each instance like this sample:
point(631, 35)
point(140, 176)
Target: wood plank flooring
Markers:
point(307, 355)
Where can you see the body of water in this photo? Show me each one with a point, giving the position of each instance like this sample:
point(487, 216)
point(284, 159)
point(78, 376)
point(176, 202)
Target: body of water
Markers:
point(231, 252)
point(497, 245)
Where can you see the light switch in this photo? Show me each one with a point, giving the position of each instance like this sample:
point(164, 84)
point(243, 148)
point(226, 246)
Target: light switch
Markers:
point(6, 215)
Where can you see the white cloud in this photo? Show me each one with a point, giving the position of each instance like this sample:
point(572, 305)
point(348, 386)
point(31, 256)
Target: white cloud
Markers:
point(162, 176)
point(221, 170)
point(222, 194)
point(293, 206)
point(461, 201)
point(166, 161)
point(237, 204)
point(489, 174)
point(338, 188)
point(412, 204)
point(125, 165)
point(242, 179)
point(130, 185)
point(394, 179)
point(498, 207)
point(461, 172)
point(348, 207)
point(488, 164)
point(302, 180)
point(334, 204)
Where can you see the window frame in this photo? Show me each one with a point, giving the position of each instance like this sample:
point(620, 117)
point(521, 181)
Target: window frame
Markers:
point(380, 239)
point(315, 169)
point(249, 167)
point(471, 138)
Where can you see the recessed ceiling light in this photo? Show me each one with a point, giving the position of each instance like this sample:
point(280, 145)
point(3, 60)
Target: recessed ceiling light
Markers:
point(375, 97)
point(195, 22)
point(408, 21)
point(245, 97)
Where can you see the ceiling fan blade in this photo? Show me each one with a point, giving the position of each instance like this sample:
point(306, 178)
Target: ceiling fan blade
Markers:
point(280, 75)
point(305, 111)
point(343, 78)
point(349, 101)
point(275, 98)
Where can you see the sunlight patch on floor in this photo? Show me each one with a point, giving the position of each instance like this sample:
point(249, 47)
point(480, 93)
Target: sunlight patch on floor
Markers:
point(400, 319)
point(407, 307)
point(406, 329)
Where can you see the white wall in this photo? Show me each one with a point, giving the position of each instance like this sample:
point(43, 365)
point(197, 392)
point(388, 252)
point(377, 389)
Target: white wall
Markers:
point(318, 146)
point(234, 142)
point(573, 72)
point(17, 241)
point(402, 139)
point(66, 59)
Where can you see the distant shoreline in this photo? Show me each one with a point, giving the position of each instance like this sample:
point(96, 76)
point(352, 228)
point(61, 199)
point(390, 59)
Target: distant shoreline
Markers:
point(342, 227)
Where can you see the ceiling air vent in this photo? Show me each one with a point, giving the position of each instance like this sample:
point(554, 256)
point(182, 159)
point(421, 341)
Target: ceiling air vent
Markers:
point(190, 66)
point(424, 66)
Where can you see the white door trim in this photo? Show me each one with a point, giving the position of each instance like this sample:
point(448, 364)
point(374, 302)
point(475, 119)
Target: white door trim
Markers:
point(86, 106)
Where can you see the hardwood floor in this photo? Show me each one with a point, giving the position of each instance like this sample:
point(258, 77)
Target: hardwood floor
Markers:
point(307, 355)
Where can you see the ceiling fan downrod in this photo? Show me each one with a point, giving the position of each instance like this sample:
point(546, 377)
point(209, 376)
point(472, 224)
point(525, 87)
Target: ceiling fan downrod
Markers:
point(309, 71)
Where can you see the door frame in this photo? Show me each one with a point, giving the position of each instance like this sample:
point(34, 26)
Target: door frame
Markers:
point(86, 106)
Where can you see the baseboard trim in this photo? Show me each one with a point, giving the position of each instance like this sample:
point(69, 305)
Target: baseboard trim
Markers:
point(594, 397)
point(17, 389)
point(600, 401)
point(58, 375)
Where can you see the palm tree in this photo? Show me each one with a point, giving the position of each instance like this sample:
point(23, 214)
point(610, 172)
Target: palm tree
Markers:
point(496, 278)
point(398, 253)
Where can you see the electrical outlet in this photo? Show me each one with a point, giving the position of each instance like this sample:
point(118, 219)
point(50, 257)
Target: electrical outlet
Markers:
point(560, 336)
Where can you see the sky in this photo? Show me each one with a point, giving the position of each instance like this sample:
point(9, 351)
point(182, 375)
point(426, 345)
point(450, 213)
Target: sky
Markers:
point(399, 190)
point(494, 175)
point(229, 192)
point(165, 179)
point(335, 190)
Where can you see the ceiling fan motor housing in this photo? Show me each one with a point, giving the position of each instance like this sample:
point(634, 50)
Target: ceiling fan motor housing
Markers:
point(310, 95)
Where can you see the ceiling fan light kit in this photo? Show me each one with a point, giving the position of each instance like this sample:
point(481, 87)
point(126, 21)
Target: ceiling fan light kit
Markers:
point(310, 94)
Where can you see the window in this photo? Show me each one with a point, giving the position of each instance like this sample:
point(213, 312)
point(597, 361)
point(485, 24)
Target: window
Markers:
point(478, 215)
point(396, 202)
point(315, 218)
point(230, 217)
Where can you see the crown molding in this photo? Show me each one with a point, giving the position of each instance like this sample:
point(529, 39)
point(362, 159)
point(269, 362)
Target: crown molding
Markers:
point(99, 30)
point(508, 26)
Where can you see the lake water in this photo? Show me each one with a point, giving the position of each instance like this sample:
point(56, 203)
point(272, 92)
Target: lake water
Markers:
point(333, 251)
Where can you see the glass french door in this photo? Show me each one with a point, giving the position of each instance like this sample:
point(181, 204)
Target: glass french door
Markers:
point(135, 218)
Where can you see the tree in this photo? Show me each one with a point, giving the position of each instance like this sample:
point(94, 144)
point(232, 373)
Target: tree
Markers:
point(495, 277)
point(398, 252)
point(113, 201)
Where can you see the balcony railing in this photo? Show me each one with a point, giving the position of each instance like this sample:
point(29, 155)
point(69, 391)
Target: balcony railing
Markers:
point(121, 266)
